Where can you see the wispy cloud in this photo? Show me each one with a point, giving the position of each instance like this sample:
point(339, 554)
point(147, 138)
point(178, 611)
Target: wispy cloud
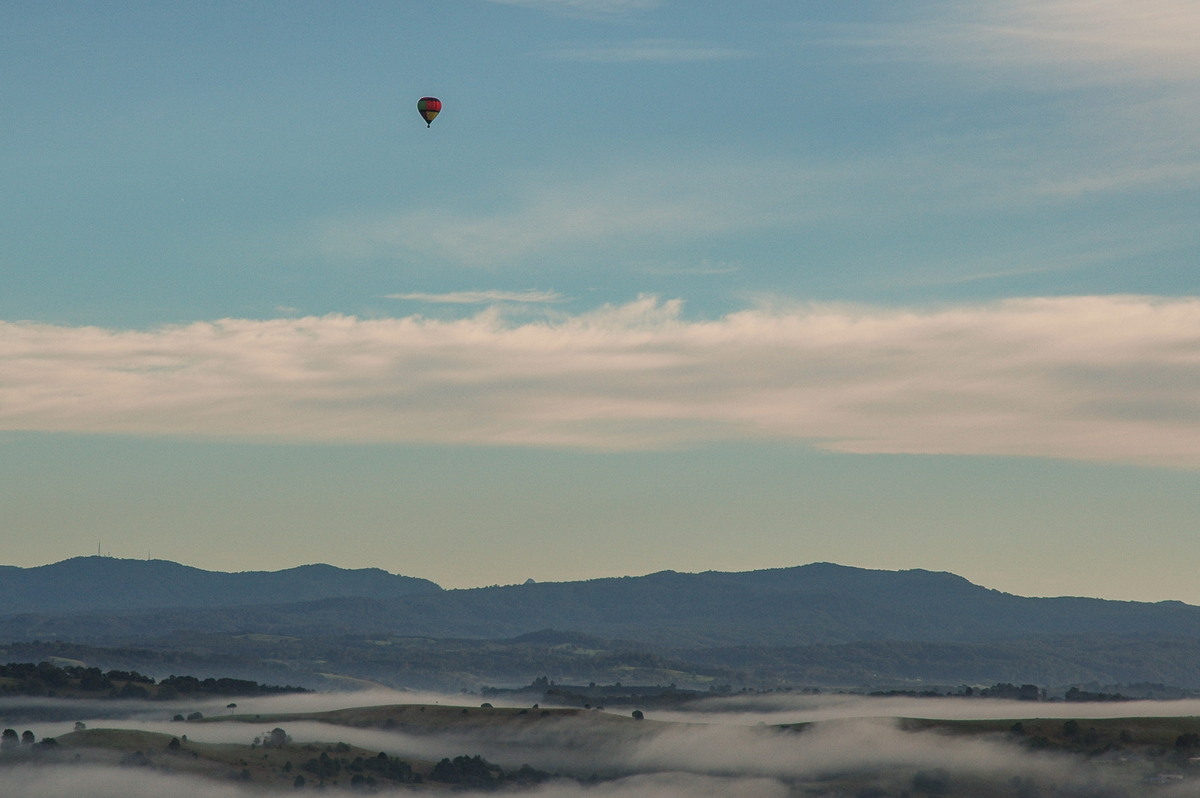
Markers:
point(1085, 40)
point(627, 213)
point(1128, 75)
point(667, 51)
point(1104, 378)
point(702, 267)
point(1157, 39)
point(621, 206)
point(482, 297)
point(585, 8)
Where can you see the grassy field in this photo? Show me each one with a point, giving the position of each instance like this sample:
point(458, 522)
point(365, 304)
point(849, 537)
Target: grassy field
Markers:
point(428, 718)
point(274, 767)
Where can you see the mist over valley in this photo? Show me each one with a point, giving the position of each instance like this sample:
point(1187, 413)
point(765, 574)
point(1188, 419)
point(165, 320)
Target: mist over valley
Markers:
point(769, 746)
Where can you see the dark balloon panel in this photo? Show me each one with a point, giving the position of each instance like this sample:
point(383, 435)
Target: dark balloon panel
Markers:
point(429, 107)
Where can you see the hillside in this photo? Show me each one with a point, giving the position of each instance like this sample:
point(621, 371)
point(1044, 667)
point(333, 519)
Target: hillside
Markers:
point(820, 603)
point(818, 624)
point(105, 584)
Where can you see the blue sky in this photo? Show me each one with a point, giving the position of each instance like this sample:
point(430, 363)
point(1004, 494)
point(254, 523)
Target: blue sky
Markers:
point(666, 285)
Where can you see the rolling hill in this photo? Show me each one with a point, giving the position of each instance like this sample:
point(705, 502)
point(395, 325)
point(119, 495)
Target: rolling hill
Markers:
point(819, 603)
point(108, 584)
point(820, 623)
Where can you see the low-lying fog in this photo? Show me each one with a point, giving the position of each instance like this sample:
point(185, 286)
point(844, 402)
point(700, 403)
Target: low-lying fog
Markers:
point(721, 747)
point(98, 782)
point(777, 708)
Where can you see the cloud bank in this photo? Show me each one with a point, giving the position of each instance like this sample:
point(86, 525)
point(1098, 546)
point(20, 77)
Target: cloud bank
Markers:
point(1098, 378)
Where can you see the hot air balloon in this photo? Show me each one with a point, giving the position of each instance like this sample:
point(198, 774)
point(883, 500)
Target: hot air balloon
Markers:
point(429, 107)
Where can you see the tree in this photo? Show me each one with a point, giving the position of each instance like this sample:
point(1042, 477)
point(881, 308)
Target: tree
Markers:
point(27, 738)
point(277, 738)
point(323, 767)
point(934, 782)
point(9, 739)
point(470, 771)
point(1187, 740)
point(131, 690)
point(1030, 692)
point(93, 680)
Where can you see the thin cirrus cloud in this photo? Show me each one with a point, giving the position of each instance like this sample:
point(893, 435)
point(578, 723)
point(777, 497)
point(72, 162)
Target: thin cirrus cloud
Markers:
point(1155, 39)
point(1133, 134)
point(585, 8)
point(679, 200)
point(685, 200)
point(482, 297)
point(1095, 378)
point(1097, 40)
point(666, 51)
point(1144, 57)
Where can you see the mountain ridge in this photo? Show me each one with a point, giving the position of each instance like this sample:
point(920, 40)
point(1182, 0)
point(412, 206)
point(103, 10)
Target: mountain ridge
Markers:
point(111, 583)
point(820, 623)
point(821, 603)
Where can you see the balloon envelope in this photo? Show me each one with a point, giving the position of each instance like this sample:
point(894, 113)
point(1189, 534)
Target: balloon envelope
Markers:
point(428, 108)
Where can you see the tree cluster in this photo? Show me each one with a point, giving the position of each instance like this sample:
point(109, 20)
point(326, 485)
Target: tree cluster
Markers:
point(475, 772)
point(190, 685)
point(48, 679)
point(364, 772)
point(1026, 692)
point(1075, 694)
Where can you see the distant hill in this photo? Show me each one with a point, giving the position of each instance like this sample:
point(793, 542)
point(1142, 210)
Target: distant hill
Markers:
point(820, 603)
point(818, 624)
point(103, 584)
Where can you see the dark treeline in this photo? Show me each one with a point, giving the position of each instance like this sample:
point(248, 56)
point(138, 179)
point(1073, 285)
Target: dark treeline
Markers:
point(1031, 692)
point(48, 679)
point(475, 772)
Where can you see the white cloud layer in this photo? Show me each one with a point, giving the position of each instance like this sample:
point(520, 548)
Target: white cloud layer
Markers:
point(1101, 378)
